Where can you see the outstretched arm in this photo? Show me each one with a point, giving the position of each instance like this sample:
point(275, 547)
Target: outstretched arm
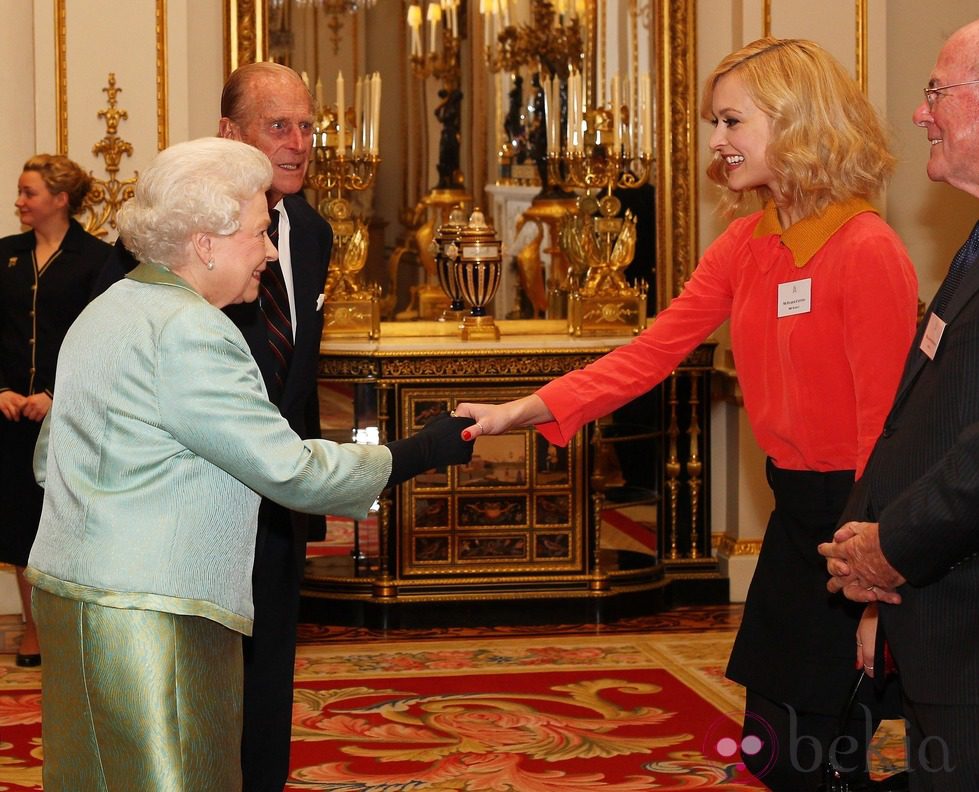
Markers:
point(494, 419)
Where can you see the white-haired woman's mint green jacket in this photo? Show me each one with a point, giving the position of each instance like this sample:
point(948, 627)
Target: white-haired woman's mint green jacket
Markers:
point(156, 451)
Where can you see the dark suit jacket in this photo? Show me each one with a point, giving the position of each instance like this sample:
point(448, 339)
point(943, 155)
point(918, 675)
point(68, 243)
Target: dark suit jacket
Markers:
point(310, 244)
point(922, 485)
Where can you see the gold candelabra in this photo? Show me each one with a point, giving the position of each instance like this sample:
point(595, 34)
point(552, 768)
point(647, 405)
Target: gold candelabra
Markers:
point(551, 37)
point(594, 134)
point(350, 307)
point(600, 245)
point(441, 58)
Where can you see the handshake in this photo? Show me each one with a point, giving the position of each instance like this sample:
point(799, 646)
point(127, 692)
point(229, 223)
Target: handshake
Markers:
point(438, 444)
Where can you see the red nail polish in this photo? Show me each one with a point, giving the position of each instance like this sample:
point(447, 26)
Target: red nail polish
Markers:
point(466, 435)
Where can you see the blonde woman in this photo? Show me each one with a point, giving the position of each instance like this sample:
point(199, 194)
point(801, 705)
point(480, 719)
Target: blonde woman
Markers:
point(46, 274)
point(821, 298)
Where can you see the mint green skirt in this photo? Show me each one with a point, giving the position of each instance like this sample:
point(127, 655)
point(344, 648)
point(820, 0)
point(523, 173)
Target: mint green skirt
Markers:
point(135, 699)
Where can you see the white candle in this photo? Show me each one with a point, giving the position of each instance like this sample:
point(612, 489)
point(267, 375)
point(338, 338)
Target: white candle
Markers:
point(571, 132)
point(358, 131)
point(415, 23)
point(341, 112)
point(369, 114)
point(376, 113)
point(319, 92)
point(616, 111)
point(547, 85)
point(554, 119)
point(434, 17)
point(600, 38)
point(648, 115)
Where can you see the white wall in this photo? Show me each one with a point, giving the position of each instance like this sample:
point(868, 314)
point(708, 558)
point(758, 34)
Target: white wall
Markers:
point(933, 219)
point(16, 104)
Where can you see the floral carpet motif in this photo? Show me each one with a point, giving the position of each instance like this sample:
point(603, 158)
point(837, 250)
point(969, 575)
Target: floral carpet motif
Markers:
point(484, 712)
point(544, 714)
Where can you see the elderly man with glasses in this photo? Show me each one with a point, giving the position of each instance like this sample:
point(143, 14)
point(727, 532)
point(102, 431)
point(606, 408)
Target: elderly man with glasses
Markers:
point(910, 538)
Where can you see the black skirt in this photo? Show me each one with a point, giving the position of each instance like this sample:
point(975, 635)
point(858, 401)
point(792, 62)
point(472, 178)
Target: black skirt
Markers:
point(20, 496)
point(797, 642)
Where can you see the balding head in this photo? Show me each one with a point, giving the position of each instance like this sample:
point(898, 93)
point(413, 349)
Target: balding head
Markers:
point(269, 106)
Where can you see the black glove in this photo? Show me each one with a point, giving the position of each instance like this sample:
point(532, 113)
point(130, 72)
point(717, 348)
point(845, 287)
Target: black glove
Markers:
point(438, 444)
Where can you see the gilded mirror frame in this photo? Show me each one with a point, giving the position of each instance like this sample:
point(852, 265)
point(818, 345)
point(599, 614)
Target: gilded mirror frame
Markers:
point(674, 23)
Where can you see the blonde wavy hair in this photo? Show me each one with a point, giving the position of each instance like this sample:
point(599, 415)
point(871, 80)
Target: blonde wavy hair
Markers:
point(828, 142)
point(61, 174)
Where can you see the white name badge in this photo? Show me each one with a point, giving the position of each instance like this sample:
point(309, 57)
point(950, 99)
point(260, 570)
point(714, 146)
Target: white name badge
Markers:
point(932, 336)
point(795, 297)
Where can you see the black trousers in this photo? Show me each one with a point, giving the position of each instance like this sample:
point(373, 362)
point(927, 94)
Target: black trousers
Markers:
point(942, 746)
point(270, 652)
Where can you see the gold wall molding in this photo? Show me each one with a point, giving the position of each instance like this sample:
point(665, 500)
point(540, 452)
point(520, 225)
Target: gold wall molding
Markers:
point(676, 144)
point(162, 108)
point(61, 75)
point(245, 33)
point(862, 55)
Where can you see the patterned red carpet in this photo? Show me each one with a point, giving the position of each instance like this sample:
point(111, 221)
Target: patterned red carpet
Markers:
point(532, 714)
point(527, 711)
point(636, 705)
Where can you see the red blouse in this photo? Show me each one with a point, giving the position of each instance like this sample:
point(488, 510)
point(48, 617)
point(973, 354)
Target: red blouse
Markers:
point(817, 385)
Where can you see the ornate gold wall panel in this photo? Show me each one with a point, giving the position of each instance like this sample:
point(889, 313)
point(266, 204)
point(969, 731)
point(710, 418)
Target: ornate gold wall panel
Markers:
point(61, 75)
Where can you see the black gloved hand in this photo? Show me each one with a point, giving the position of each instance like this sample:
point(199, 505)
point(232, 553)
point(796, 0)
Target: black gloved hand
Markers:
point(439, 443)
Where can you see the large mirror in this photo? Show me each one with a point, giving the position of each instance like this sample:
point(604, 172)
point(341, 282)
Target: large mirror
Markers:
point(327, 38)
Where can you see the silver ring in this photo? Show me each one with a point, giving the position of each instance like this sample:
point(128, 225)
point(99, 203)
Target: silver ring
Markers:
point(867, 667)
point(870, 588)
point(480, 426)
point(859, 643)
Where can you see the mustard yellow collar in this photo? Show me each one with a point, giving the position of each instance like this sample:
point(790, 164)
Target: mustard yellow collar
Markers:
point(807, 236)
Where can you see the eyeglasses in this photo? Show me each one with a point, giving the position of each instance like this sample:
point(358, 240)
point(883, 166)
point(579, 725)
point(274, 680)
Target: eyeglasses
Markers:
point(932, 94)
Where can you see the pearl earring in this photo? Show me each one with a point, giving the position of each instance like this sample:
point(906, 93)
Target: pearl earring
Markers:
point(210, 264)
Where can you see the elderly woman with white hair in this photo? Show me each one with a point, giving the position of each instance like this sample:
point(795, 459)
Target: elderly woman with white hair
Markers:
point(154, 458)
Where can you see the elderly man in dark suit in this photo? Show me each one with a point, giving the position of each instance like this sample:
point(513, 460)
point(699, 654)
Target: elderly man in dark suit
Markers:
point(911, 542)
point(268, 106)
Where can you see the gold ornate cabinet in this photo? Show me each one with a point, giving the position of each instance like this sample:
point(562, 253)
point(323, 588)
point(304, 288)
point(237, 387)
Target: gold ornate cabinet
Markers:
point(527, 532)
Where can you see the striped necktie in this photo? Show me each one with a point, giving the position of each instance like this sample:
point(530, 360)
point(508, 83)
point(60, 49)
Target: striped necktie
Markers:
point(278, 324)
point(963, 260)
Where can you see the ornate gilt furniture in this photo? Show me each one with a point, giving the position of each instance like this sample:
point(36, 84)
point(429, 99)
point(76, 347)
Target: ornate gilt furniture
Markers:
point(517, 533)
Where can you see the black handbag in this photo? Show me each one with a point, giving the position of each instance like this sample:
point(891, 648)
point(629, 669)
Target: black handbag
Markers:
point(835, 780)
